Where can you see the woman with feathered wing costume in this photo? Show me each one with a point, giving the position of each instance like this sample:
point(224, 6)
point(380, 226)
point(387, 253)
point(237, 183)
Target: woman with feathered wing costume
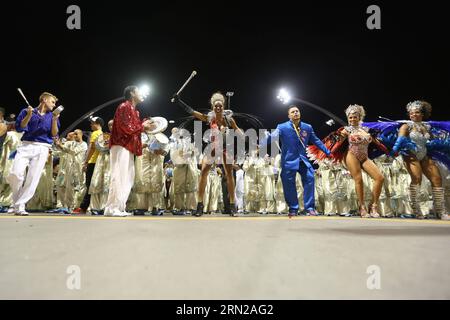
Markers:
point(422, 145)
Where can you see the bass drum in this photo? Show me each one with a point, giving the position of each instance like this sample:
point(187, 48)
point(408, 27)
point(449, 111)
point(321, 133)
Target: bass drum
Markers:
point(102, 143)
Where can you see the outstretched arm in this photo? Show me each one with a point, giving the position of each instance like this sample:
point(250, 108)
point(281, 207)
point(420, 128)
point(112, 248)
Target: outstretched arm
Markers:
point(340, 139)
point(403, 131)
point(318, 143)
point(200, 116)
point(343, 134)
point(401, 140)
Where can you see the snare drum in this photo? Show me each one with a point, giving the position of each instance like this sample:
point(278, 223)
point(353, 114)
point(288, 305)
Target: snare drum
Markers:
point(158, 141)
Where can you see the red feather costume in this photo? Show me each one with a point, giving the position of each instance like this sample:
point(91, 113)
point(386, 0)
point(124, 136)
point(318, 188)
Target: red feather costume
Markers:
point(339, 147)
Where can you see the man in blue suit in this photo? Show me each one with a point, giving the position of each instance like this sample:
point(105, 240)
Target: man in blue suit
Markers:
point(295, 136)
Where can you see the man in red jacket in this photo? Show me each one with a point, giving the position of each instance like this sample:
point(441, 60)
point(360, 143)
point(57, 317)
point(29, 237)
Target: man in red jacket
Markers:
point(125, 143)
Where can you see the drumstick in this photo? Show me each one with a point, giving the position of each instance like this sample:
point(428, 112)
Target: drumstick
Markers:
point(23, 96)
point(193, 74)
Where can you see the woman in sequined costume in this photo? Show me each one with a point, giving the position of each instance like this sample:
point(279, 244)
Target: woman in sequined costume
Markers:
point(357, 159)
point(417, 161)
point(351, 145)
point(219, 120)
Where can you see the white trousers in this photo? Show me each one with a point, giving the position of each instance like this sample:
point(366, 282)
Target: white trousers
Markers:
point(239, 196)
point(31, 155)
point(122, 179)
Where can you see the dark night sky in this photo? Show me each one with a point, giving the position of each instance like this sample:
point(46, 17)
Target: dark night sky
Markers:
point(323, 52)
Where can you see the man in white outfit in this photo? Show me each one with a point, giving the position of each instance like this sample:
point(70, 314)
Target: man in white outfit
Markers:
point(125, 142)
point(39, 126)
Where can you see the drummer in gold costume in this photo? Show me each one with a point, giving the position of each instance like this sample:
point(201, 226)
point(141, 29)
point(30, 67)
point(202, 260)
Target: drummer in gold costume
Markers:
point(213, 190)
point(10, 143)
point(335, 189)
point(149, 181)
point(266, 178)
point(3, 128)
point(185, 174)
point(100, 178)
point(60, 181)
point(252, 185)
point(170, 196)
point(74, 179)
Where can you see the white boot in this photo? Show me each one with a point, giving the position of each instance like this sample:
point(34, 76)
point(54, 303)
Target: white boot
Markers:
point(439, 203)
point(413, 193)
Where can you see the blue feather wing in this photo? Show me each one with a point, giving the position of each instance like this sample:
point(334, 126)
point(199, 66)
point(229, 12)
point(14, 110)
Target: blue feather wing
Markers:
point(387, 134)
point(438, 148)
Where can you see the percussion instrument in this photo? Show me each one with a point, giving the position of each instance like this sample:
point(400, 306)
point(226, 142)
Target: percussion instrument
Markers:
point(160, 124)
point(158, 141)
point(102, 143)
point(58, 110)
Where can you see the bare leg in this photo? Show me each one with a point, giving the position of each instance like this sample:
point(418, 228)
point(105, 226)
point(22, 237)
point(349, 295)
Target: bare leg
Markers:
point(431, 171)
point(202, 185)
point(230, 182)
point(203, 179)
point(373, 171)
point(354, 166)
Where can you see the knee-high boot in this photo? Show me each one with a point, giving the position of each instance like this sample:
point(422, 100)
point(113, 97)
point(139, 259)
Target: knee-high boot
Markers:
point(413, 194)
point(439, 203)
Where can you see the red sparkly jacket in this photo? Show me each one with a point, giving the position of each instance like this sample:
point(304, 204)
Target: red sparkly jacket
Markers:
point(127, 129)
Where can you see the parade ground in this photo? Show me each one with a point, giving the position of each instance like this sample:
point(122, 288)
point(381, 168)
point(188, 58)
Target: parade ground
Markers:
point(221, 257)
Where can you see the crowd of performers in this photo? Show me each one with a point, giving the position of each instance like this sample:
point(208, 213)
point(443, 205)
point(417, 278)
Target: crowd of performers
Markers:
point(370, 169)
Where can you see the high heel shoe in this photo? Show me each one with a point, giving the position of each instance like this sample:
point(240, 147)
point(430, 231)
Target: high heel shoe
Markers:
point(374, 211)
point(363, 212)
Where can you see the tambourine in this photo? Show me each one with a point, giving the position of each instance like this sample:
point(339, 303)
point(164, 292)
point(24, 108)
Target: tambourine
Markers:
point(160, 124)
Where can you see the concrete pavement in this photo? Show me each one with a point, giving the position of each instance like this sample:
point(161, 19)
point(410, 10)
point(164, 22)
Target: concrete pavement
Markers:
point(269, 257)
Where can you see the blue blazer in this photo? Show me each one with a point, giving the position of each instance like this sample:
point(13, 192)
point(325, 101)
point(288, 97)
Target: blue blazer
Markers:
point(292, 150)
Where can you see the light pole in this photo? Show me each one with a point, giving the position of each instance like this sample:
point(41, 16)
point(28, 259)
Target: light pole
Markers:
point(285, 98)
point(229, 95)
